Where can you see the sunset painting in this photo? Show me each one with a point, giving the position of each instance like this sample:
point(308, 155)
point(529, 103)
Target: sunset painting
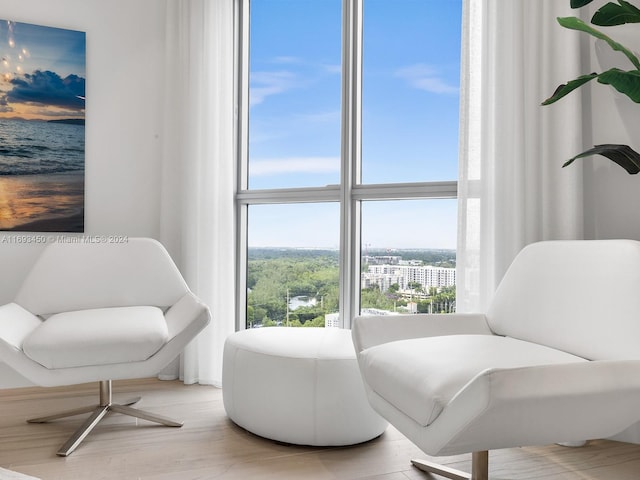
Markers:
point(42, 128)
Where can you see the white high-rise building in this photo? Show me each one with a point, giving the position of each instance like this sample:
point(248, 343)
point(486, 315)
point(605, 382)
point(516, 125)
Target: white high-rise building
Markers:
point(426, 275)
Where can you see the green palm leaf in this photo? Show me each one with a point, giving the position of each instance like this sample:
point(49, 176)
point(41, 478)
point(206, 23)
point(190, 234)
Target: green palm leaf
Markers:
point(574, 23)
point(623, 155)
point(627, 83)
point(567, 88)
point(613, 14)
point(580, 3)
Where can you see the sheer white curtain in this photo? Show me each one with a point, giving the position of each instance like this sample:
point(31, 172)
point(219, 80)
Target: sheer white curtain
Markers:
point(512, 189)
point(197, 204)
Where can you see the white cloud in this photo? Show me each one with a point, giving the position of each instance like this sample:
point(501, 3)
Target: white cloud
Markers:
point(425, 77)
point(286, 59)
point(297, 73)
point(264, 167)
point(331, 68)
point(321, 117)
point(265, 84)
point(328, 68)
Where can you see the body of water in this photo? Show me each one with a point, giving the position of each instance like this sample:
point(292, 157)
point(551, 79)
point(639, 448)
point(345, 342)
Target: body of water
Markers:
point(302, 301)
point(35, 148)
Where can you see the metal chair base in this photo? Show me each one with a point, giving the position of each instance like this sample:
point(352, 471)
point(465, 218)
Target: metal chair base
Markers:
point(98, 413)
point(479, 468)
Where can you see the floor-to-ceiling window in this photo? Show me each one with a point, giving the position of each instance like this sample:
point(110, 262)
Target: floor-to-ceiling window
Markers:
point(348, 119)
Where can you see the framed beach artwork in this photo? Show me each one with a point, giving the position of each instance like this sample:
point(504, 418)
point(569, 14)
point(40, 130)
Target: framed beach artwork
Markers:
point(42, 123)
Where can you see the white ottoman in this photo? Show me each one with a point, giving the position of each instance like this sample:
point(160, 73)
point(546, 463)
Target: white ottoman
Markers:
point(297, 385)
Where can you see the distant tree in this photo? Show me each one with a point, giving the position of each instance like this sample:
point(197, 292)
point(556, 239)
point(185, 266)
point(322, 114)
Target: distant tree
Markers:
point(424, 306)
point(373, 298)
point(294, 323)
point(316, 322)
point(267, 322)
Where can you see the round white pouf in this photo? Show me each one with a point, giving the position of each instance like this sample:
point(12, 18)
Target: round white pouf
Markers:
point(297, 385)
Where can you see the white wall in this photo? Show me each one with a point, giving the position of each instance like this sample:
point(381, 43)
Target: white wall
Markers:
point(125, 70)
point(612, 197)
point(124, 111)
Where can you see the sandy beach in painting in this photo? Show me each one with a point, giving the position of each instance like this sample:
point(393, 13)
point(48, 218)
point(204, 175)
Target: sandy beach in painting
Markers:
point(42, 203)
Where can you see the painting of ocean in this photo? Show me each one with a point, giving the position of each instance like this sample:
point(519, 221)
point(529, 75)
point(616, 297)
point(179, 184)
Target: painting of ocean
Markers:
point(35, 147)
point(42, 128)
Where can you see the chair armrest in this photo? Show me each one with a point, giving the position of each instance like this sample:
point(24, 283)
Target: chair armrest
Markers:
point(187, 310)
point(368, 331)
point(539, 405)
point(16, 324)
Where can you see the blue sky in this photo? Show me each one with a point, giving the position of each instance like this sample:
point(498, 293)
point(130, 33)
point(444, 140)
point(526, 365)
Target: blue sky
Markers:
point(410, 111)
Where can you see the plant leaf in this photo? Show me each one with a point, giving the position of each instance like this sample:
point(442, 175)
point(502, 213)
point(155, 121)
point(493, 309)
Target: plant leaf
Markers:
point(569, 87)
point(574, 23)
point(627, 83)
point(623, 155)
point(613, 14)
point(580, 3)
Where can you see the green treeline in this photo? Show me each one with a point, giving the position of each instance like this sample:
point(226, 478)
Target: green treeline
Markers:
point(275, 275)
point(442, 301)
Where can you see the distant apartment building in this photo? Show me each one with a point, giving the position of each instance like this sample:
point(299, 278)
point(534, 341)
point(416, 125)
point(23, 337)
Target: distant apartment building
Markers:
point(426, 275)
point(332, 320)
point(381, 260)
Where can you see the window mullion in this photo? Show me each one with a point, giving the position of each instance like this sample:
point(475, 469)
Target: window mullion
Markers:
point(330, 193)
point(241, 95)
point(350, 160)
point(406, 191)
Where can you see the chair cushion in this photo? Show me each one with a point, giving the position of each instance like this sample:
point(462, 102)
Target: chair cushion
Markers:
point(97, 337)
point(421, 376)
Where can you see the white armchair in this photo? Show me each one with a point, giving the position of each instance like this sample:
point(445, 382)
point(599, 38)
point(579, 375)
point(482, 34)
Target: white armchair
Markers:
point(555, 358)
point(99, 312)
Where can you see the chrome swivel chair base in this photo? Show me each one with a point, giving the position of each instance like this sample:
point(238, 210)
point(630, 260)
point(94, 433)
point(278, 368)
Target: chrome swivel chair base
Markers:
point(98, 413)
point(479, 468)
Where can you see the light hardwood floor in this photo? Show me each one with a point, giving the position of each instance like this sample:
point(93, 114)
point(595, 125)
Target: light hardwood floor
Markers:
point(209, 446)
